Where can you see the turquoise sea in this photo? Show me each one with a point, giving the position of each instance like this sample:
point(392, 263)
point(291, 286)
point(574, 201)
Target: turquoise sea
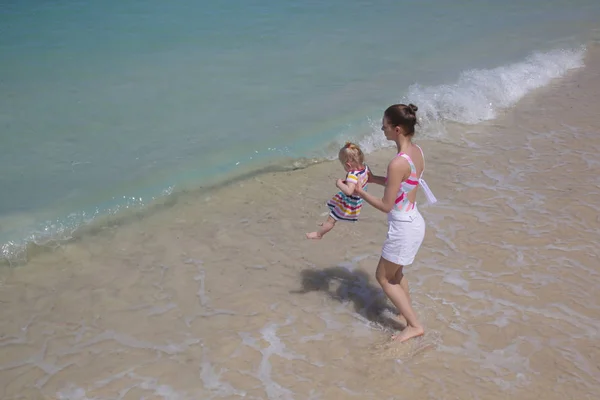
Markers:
point(106, 106)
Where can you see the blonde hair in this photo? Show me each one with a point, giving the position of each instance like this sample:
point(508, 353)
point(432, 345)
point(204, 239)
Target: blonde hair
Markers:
point(351, 153)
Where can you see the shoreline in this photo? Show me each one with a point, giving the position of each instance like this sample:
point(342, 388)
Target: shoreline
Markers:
point(19, 252)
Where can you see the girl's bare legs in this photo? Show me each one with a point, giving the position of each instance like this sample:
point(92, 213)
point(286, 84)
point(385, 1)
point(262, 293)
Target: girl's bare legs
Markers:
point(326, 227)
point(387, 275)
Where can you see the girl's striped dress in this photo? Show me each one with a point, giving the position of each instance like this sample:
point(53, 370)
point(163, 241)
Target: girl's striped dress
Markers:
point(347, 208)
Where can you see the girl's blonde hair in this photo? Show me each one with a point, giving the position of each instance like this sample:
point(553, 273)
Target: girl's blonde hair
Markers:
point(351, 153)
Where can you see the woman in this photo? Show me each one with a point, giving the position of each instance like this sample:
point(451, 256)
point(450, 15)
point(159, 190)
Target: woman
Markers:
point(406, 227)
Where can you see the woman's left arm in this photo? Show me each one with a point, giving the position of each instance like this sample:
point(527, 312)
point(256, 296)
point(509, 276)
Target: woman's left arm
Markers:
point(395, 174)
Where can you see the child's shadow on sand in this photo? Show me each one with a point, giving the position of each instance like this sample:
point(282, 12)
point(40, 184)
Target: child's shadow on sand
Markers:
point(369, 300)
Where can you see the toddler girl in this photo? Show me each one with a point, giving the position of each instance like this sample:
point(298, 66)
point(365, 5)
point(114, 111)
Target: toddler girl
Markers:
point(345, 205)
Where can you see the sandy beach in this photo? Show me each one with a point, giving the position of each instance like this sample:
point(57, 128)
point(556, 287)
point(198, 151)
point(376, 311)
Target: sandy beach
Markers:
point(220, 296)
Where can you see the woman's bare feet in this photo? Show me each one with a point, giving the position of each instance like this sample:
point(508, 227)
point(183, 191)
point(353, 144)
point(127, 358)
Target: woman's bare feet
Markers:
point(408, 333)
point(400, 318)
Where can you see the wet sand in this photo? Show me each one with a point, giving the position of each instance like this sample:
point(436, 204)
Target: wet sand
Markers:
point(220, 295)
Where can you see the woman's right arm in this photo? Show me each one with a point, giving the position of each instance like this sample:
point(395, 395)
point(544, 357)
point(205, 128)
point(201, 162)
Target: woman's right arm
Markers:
point(379, 180)
point(398, 169)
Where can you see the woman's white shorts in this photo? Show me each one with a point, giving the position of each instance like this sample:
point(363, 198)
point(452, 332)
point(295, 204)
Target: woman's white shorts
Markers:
point(406, 231)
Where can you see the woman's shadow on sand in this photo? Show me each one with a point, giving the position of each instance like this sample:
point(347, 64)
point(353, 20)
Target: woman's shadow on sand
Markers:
point(344, 285)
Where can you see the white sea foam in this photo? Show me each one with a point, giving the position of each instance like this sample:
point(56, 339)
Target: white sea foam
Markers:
point(480, 94)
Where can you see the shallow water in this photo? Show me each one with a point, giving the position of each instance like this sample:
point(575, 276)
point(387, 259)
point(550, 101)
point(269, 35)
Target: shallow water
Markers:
point(219, 296)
